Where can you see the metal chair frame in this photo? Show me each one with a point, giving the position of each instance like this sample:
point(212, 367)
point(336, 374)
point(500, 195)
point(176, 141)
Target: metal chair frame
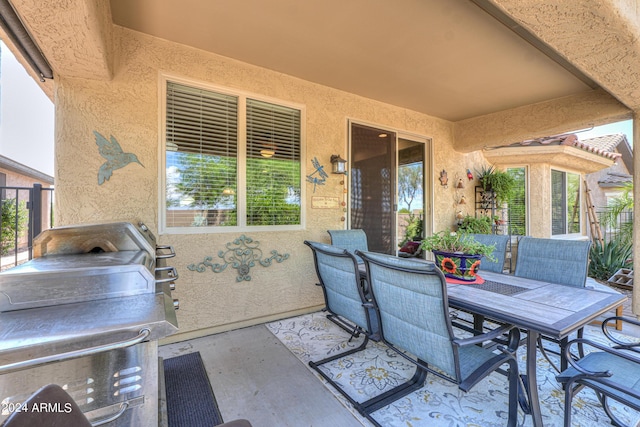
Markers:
point(604, 373)
point(494, 363)
point(348, 325)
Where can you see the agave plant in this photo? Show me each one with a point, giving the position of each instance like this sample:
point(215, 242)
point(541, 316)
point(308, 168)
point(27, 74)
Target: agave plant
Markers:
point(608, 258)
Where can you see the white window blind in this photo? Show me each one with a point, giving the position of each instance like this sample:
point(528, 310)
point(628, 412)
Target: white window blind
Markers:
point(273, 164)
point(565, 203)
point(202, 151)
point(558, 212)
point(206, 161)
point(518, 203)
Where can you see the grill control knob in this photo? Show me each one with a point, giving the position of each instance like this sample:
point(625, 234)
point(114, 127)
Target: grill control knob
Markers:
point(172, 286)
point(176, 304)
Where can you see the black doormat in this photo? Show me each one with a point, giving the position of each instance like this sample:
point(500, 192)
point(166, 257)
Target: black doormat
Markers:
point(190, 399)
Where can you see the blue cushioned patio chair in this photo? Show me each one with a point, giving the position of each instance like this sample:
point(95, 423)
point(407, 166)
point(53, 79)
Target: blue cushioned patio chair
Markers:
point(564, 262)
point(344, 294)
point(350, 240)
point(500, 241)
point(613, 372)
point(410, 298)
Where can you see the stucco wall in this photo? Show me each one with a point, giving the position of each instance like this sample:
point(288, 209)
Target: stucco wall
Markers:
point(128, 108)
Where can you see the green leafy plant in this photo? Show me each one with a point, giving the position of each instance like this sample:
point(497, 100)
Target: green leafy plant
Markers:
point(413, 231)
point(14, 222)
point(446, 241)
point(607, 259)
point(501, 183)
point(475, 225)
point(613, 215)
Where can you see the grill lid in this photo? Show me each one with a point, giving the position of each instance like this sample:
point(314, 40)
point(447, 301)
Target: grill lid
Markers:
point(64, 279)
point(86, 238)
point(39, 333)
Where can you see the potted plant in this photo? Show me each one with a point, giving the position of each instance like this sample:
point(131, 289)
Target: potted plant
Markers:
point(475, 225)
point(458, 255)
point(500, 183)
point(498, 220)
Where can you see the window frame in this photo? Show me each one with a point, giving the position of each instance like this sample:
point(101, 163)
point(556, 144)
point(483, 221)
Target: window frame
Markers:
point(565, 207)
point(242, 158)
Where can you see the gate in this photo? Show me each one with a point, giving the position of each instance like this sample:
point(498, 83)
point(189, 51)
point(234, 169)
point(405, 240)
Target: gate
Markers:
point(24, 213)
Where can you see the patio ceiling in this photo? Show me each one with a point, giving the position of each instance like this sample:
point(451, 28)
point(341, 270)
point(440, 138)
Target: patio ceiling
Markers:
point(448, 59)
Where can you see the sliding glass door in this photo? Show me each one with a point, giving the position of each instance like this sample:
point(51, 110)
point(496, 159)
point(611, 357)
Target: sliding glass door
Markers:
point(373, 173)
point(387, 186)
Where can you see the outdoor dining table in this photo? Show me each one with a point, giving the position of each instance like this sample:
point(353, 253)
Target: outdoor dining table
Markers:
point(536, 307)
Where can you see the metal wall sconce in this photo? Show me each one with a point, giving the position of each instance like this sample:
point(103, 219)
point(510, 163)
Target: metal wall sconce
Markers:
point(338, 164)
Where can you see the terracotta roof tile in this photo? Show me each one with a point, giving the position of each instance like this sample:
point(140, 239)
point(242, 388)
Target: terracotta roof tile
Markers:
point(613, 178)
point(603, 146)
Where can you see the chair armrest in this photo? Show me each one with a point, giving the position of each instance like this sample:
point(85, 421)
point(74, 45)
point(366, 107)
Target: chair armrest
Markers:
point(627, 345)
point(604, 348)
point(514, 337)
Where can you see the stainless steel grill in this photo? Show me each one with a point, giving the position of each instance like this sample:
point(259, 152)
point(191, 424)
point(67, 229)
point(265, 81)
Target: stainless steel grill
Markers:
point(86, 314)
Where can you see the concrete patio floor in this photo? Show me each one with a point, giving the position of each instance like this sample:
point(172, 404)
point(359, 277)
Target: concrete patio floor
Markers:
point(254, 376)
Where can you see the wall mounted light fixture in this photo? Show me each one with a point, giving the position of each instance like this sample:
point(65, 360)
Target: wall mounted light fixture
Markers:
point(338, 164)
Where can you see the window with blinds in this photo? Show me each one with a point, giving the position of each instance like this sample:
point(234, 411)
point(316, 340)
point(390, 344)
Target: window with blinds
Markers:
point(215, 177)
point(517, 204)
point(273, 164)
point(565, 203)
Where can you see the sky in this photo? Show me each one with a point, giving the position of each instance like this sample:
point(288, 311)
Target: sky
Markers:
point(26, 117)
point(625, 127)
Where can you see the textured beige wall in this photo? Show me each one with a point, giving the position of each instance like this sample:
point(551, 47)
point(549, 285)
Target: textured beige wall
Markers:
point(554, 117)
point(127, 108)
point(598, 194)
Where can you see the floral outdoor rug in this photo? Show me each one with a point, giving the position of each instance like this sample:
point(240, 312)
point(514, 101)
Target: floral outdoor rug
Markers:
point(439, 403)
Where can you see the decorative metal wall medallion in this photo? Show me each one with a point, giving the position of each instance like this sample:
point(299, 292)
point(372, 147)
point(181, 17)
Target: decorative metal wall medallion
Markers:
point(321, 176)
point(241, 254)
point(114, 156)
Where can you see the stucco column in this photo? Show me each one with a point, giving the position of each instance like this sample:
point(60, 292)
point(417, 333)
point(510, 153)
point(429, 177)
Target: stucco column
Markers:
point(636, 208)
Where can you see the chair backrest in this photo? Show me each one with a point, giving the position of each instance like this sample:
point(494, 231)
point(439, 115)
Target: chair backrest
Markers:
point(339, 277)
point(351, 240)
point(413, 308)
point(500, 241)
point(553, 260)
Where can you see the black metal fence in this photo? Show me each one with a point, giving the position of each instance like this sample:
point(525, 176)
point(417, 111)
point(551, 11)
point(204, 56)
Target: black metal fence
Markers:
point(612, 229)
point(24, 213)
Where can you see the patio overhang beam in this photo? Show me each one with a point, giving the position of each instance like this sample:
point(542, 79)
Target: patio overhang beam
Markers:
point(553, 117)
point(562, 156)
point(76, 36)
point(20, 37)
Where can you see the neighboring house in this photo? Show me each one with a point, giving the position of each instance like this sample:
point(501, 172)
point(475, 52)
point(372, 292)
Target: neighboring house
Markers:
point(17, 181)
point(14, 174)
point(269, 94)
point(608, 183)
